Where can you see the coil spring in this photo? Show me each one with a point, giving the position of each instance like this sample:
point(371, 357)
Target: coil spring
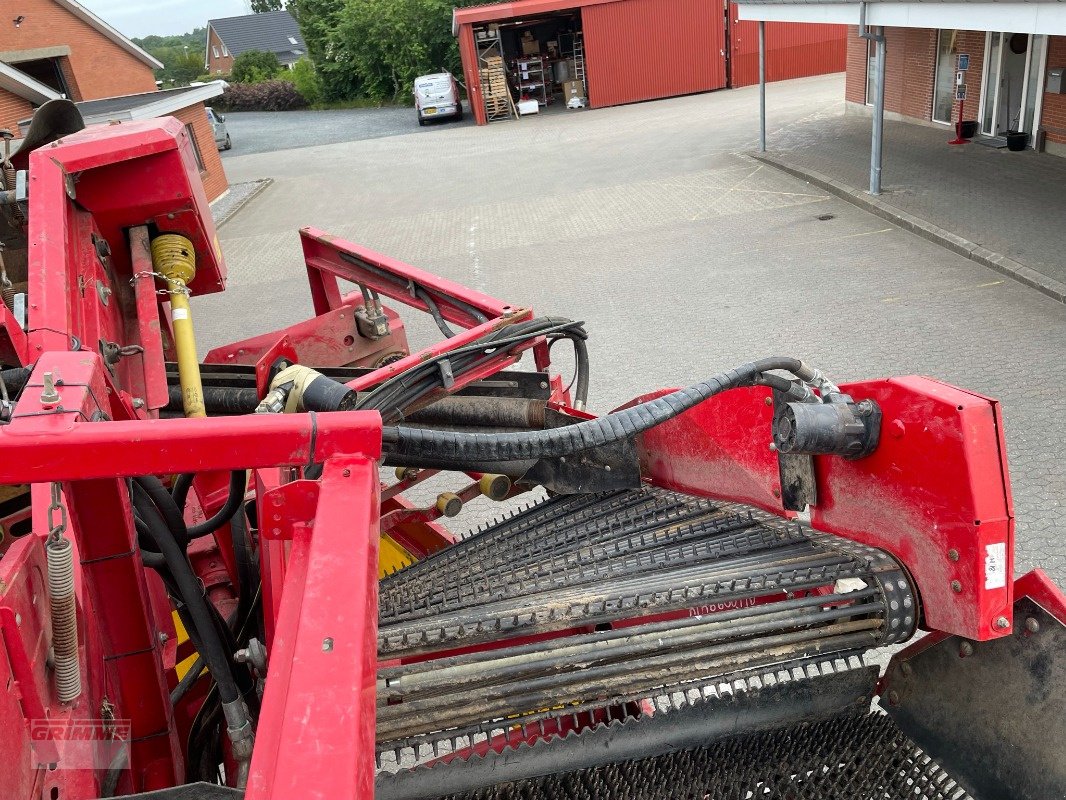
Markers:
point(8, 294)
point(9, 173)
point(64, 619)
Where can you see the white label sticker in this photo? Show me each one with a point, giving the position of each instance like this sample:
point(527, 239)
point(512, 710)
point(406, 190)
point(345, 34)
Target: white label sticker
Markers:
point(996, 565)
point(179, 313)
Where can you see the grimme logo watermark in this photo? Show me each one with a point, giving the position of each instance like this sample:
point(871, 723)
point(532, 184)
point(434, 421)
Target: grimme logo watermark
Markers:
point(79, 743)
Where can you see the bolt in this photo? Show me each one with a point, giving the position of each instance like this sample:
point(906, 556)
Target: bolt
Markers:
point(543, 384)
point(1002, 623)
point(242, 656)
point(776, 492)
point(163, 638)
point(347, 473)
point(327, 644)
point(49, 395)
point(893, 698)
point(138, 402)
point(768, 401)
point(1032, 625)
point(956, 587)
point(906, 669)
point(773, 447)
point(607, 468)
point(965, 650)
point(865, 408)
point(953, 554)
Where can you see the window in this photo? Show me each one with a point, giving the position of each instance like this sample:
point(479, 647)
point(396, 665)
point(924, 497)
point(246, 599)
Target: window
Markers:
point(214, 50)
point(225, 52)
point(48, 71)
point(292, 40)
point(195, 147)
point(871, 71)
point(944, 82)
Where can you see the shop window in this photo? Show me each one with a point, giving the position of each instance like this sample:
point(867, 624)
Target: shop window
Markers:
point(944, 81)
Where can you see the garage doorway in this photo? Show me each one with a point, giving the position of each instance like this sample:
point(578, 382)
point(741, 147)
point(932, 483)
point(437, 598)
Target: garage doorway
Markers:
point(531, 65)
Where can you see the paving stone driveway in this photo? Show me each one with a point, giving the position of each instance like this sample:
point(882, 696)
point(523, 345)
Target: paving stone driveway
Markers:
point(682, 255)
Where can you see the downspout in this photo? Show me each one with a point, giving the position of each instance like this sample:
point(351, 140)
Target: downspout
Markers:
point(876, 35)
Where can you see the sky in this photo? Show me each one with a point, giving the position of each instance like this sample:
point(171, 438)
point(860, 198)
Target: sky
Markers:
point(137, 18)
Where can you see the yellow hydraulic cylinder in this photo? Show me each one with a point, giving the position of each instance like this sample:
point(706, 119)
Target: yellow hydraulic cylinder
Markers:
point(173, 257)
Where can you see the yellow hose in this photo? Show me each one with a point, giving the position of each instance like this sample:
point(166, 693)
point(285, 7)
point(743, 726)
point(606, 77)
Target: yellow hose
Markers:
point(174, 258)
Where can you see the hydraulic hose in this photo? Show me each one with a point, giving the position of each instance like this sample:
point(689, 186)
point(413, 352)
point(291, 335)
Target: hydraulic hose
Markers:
point(190, 590)
point(238, 480)
point(457, 447)
point(169, 510)
point(180, 495)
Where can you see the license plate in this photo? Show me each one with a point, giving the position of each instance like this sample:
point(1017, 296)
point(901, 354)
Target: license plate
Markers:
point(429, 111)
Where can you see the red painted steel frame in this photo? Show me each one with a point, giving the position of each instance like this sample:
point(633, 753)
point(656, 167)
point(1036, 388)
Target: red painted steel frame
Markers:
point(935, 493)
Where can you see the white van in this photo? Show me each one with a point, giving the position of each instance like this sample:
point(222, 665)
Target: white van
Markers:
point(437, 96)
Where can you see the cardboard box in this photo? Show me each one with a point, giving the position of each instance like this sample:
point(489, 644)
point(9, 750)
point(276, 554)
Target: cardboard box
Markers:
point(573, 89)
point(530, 47)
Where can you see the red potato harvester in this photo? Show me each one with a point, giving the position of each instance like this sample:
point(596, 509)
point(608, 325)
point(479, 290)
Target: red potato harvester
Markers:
point(208, 591)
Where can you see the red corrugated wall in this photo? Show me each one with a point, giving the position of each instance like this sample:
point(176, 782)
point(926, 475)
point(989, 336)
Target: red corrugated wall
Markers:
point(644, 49)
point(793, 50)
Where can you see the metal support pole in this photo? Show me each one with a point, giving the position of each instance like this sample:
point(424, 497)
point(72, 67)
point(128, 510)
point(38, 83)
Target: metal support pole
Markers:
point(879, 112)
point(762, 86)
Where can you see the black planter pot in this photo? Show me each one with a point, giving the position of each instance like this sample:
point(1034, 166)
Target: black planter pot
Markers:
point(966, 129)
point(1017, 140)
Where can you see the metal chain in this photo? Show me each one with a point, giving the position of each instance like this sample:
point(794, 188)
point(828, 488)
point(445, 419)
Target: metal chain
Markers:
point(178, 286)
point(56, 529)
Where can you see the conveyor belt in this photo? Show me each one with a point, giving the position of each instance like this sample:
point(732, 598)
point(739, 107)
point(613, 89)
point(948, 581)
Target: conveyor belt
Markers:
point(583, 609)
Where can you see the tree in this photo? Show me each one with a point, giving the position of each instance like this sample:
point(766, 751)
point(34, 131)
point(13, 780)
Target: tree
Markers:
point(330, 52)
point(259, 6)
point(253, 66)
point(398, 41)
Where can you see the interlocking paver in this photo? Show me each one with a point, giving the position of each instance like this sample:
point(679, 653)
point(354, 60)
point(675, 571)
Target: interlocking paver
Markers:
point(682, 255)
point(1004, 201)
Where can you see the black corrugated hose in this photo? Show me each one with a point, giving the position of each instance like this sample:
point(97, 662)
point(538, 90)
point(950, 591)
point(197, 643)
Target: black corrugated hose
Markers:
point(481, 447)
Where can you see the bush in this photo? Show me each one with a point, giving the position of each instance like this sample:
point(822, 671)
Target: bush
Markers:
point(263, 96)
point(254, 66)
point(305, 78)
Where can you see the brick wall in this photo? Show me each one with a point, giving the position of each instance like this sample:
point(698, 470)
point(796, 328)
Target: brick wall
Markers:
point(910, 70)
point(855, 77)
point(214, 176)
point(1053, 111)
point(222, 65)
point(100, 67)
point(919, 69)
point(12, 109)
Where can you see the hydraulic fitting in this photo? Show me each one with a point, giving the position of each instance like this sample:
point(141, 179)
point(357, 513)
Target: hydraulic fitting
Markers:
point(838, 427)
point(306, 389)
point(174, 258)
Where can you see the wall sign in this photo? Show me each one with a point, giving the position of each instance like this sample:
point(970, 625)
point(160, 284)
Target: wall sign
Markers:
point(964, 61)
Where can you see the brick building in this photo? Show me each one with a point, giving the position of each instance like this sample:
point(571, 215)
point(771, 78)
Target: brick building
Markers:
point(1014, 54)
point(62, 45)
point(269, 32)
point(58, 48)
